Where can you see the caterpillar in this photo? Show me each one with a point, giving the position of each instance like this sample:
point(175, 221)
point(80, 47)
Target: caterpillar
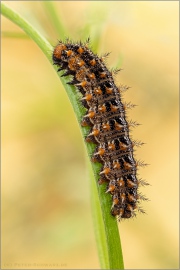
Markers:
point(110, 130)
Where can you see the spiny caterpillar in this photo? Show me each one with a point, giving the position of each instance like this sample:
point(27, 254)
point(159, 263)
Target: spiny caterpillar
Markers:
point(109, 127)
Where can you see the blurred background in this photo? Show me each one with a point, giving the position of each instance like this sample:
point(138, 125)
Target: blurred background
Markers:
point(46, 211)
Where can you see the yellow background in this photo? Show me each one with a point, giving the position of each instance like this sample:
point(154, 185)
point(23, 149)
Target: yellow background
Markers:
point(46, 212)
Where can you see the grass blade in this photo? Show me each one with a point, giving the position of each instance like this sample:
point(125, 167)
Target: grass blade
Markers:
point(106, 228)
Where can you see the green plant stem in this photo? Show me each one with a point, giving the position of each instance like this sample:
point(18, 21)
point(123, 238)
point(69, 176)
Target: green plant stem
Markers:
point(28, 29)
point(53, 16)
point(14, 35)
point(106, 228)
